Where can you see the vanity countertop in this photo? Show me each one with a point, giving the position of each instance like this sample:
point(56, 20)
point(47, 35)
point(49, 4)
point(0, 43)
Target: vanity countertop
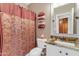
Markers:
point(66, 35)
point(69, 46)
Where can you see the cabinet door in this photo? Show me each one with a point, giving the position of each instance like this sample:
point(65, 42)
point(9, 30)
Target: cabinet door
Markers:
point(61, 51)
point(53, 50)
point(70, 52)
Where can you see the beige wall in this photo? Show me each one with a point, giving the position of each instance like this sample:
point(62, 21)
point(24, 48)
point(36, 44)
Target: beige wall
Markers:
point(46, 7)
point(64, 8)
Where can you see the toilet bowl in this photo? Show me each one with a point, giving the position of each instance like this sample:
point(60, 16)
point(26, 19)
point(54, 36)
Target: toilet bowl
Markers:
point(37, 50)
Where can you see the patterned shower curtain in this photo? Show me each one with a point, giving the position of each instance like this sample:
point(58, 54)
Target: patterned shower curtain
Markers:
point(17, 30)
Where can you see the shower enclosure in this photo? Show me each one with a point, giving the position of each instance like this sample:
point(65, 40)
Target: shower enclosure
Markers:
point(17, 30)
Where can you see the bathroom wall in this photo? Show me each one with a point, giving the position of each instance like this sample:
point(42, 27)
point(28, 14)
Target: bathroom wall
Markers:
point(77, 20)
point(45, 7)
point(64, 8)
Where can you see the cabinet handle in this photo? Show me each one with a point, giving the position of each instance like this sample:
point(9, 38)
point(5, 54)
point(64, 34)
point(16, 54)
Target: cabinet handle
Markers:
point(60, 51)
point(66, 53)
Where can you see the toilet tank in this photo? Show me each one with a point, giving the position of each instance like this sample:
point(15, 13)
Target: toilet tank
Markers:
point(41, 43)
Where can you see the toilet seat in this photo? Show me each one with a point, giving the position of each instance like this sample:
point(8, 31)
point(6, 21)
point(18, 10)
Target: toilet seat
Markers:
point(35, 52)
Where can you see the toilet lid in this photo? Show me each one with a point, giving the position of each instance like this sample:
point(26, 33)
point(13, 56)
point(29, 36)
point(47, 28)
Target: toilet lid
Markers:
point(36, 51)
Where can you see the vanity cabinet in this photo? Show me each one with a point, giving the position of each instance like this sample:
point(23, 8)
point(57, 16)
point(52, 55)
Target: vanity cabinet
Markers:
point(54, 50)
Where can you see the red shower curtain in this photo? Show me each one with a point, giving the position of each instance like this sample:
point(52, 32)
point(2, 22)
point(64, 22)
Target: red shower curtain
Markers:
point(17, 30)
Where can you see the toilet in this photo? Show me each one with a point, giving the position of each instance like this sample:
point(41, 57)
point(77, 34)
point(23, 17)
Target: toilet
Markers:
point(37, 50)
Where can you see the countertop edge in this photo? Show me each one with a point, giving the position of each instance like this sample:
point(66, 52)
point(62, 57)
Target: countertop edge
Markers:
point(72, 47)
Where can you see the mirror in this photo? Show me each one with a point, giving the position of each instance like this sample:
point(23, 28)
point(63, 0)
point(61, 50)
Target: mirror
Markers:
point(63, 25)
point(64, 19)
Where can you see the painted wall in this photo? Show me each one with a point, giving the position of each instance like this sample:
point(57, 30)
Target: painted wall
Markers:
point(46, 7)
point(77, 20)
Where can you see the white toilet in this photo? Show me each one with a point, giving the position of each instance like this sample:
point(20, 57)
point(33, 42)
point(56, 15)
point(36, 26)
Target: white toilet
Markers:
point(37, 50)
